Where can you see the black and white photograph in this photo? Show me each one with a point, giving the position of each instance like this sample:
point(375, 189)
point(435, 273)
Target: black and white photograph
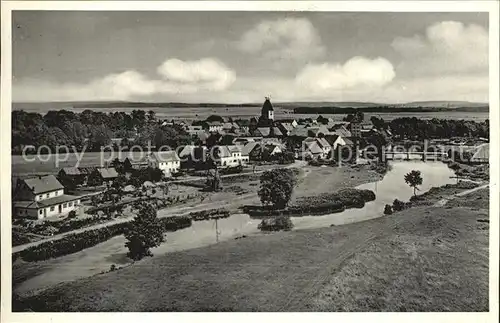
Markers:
point(262, 159)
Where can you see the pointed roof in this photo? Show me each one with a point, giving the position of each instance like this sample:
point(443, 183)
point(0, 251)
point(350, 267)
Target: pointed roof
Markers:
point(43, 184)
point(267, 106)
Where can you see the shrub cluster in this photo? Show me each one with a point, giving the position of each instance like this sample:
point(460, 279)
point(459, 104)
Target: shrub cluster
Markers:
point(276, 223)
point(209, 214)
point(318, 205)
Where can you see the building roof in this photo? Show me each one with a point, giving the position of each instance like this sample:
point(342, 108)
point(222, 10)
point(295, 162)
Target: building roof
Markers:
point(323, 142)
point(187, 151)
point(313, 147)
point(165, 156)
point(71, 171)
point(299, 132)
point(108, 172)
point(47, 202)
point(43, 184)
point(249, 147)
point(223, 152)
point(234, 148)
point(348, 141)
point(264, 131)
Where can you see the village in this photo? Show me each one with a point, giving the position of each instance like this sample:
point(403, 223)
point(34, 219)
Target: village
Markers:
point(226, 150)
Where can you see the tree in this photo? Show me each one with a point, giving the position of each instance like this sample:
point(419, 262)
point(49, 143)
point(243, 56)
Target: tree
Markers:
point(144, 232)
point(276, 187)
point(214, 117)
point(413, 179)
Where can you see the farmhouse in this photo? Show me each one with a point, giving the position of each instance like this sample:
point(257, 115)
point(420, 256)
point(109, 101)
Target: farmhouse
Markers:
point(251, 151)
point(168, 161)
point(102, 175)
point(42, 197)
point(229, 156)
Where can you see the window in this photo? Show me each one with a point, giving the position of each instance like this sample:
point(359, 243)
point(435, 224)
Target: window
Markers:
point(56, 192)
point(40, 212)
point(47, 195)
point(52, 208)
point(40, 197)
point(65, 205)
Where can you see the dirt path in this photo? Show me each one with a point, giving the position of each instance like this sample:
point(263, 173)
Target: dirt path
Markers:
point(445, 200)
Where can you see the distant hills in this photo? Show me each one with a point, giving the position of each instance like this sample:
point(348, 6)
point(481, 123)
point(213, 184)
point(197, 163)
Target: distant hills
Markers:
point(298, 107)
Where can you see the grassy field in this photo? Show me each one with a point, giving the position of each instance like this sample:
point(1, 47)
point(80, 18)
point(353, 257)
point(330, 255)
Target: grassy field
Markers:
point(421, 259)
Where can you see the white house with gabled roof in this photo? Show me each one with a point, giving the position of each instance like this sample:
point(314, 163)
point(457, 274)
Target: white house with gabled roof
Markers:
point(42, 197)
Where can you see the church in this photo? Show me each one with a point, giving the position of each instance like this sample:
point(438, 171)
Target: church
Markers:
point(266, 118)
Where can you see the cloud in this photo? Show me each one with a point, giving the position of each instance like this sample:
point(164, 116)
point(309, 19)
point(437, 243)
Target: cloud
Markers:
point(446, 47)
point(207, 72)
point(176, 77)
point(356, 72)
point(287, 39)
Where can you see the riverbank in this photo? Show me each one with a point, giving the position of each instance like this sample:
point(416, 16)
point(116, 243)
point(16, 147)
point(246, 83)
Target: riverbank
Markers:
point(33, 277)
point(414, 260)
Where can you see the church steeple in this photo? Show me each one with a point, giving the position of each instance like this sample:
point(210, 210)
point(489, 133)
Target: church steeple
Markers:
point(267, 112)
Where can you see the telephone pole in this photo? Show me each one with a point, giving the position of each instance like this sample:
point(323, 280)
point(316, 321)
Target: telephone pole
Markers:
point(216, 231)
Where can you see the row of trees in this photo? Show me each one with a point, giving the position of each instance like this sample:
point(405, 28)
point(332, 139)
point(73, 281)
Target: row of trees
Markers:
point(419, 129)
point(92, 129)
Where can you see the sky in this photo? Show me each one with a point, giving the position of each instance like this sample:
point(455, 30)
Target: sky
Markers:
point(241, 57)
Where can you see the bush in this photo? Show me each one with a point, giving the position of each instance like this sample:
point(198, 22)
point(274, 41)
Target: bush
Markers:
point(209, 214)
point(398, 205)
point(387, 209)
point(277, 223)
point(72, 215)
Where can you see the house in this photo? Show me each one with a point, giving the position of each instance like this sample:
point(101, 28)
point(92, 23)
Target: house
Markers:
point(312, 150)
point(229, 156)
point(322, 143)
point(267, 132)
point(335, 141)
point(42, 197)
point(76, 175)
point(325, 145)
point(167, 161)
point(273, 149)
point(194, 130)
point(214, 126)
point(102, 175)
point(340, 129)
point(251, 151)
point(192, 156)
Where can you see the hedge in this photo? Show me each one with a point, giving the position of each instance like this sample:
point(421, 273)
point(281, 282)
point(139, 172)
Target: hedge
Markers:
point(79, 241)
point(318, 205)
point(211, 214)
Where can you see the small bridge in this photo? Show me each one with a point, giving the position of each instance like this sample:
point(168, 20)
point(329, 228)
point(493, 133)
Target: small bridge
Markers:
point(414, 155)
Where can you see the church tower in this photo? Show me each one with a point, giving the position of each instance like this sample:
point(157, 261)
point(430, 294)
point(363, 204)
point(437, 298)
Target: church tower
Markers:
point(267, 112)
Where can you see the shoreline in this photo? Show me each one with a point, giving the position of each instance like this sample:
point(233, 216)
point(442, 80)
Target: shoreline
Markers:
point(247, 249)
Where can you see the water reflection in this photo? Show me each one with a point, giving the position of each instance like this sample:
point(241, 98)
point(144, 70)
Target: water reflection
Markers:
point(392, 186)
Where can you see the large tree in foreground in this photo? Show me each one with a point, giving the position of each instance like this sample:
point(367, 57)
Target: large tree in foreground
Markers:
point(144, 232)
point(276, 187)
point(414, 178)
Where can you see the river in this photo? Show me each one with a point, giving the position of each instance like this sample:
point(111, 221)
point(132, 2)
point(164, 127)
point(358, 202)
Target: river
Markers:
point(203, 233)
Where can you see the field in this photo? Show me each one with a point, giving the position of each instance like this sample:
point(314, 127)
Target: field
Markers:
point(421, 259)
point(246, 111)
